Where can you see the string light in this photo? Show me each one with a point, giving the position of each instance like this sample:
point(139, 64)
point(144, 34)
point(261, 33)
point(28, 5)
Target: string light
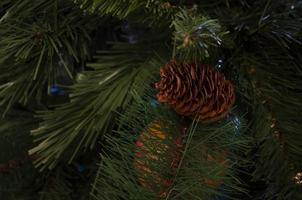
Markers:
point(237, 123)
point(219, 64)
point(298, 178)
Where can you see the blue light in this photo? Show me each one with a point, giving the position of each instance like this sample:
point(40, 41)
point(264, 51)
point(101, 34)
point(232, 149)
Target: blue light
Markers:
point(219, 64)
point(55, 90)
point(237, 124)
point(154, 103)
point(80, 168)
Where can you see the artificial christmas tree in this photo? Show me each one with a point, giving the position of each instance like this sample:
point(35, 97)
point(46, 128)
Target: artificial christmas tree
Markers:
point(154, 99)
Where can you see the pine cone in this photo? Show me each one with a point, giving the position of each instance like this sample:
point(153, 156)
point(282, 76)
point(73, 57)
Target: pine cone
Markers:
point(195, 90)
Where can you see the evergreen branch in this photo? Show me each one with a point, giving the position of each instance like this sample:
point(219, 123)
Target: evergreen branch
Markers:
point(205, 142)
point(196, 35)
point(16, 172)
point(117, 177)
point(276, 116)
point(270, 160)
point(154, 12)
point(269, 61)
point(268, 55)
point(64, 183)
point(36, 45)
point(39, 39)
point(94, 99)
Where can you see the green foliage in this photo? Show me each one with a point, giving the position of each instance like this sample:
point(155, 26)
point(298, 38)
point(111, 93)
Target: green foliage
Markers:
point(117, 177)
point(260, 42)
point(64, 183)
point(120, 8)
point(275, 125)
point(196, 35)
point(16, 171)
point(271, 69)
point(267, 54)
point(94, 100)
point(38, 40)
point(154, 12)
point(271, 160)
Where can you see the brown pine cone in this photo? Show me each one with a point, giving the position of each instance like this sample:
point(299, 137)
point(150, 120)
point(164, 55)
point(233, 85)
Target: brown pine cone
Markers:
point(195, 90)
